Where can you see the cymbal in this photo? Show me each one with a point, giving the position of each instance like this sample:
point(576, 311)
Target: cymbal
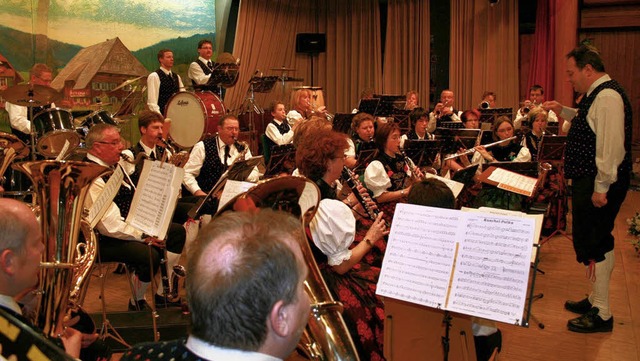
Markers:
point(308, 87)
point(283, 69)
point(125, 83)
point(31, 95)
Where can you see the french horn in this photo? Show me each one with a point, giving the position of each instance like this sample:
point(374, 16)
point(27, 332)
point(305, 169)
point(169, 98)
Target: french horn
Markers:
point(326, 336)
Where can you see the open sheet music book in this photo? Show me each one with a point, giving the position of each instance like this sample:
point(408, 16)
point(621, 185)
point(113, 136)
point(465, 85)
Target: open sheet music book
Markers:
point(155, 198)
point(509, 181)
point(472, 263)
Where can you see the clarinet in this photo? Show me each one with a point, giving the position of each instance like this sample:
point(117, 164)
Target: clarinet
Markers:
point(353, 182)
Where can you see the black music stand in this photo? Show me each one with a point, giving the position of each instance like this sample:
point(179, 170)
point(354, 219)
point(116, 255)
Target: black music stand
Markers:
point(486, 137)
point(401, 116)
point(454, 139)
point(490, 115)
point(423, 153)
point(364, 157)
point(368, 106)
point(240, 170)
point(451, 125)
point(388, 103)
point(466, 174)
point(342, 122)
point(282, 160)
point(552, 151)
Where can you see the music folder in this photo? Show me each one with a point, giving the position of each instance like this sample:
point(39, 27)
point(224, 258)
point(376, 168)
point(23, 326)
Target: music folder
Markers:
point(508, 180)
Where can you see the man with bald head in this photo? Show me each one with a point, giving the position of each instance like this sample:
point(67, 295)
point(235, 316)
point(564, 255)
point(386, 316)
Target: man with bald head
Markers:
point(245, 285)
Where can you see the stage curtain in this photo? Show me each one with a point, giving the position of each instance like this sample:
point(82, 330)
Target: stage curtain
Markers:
point(266, 38)
point(407, 49)
point(541, 66)
point(484, 52)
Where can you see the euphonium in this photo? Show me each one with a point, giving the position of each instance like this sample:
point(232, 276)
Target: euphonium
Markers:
point(326, 336)
point(61, 188)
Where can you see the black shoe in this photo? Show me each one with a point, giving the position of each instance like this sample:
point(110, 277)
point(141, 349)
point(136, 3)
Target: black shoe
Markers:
point(162, 302)
point(580, 307)
point(590, 322)
point(142, 306)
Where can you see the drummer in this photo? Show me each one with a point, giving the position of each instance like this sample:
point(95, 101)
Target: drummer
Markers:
point(162, 83)
point(40, 74)
point(201, 69)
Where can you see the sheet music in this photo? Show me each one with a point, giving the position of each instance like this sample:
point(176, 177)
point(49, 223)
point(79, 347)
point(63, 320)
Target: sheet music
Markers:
point(514, 182)
point(231, 189)
point(155, 198)
point(65, 149)
point(100, 205)
point(456, 187)
point(472, 263)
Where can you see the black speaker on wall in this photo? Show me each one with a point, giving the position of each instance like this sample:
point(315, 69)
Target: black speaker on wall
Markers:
point(311, 43)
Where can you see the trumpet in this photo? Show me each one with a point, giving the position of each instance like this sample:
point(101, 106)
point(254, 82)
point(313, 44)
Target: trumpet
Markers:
point(527, 108)
point(439, 113)
point(484, 105)
point(473, 150)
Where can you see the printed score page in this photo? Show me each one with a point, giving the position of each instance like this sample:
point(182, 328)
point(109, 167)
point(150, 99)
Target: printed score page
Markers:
point(491, 256)
point(514, 182)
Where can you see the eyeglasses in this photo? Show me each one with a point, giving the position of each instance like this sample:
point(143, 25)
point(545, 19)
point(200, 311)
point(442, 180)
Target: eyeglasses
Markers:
point(231, 129)
point(115, 143)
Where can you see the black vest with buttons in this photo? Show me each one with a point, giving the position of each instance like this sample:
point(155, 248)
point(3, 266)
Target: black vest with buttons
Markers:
point(169, 85)
point(212, 167)
point(283, 128)
point(206, 71)
point(580, 153)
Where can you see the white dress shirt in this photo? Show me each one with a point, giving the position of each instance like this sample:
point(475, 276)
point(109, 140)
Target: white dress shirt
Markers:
point(196, 160)
point(273, 133)
point(210, 352)
point(455, 117)
point(153, 89)
point(196, 74)
point(606, 120)
point(18, 116)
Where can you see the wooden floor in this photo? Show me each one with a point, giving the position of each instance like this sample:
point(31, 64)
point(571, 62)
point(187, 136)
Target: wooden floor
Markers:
point(564, 279)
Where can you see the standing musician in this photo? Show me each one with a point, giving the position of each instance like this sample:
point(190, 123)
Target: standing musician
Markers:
point(444, 111)
point(201, 69)
point(536, 98)
point(162, 83)
point(333, 229)
point(278, 131)
point(538, 119)
point(40, 74)
point(211, 157)
point(118, 240)
point(420, 119)
point(598, 160)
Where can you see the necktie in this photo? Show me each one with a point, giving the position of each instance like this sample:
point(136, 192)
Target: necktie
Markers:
point(152, 156)
point(226, 154)
point(209, 64)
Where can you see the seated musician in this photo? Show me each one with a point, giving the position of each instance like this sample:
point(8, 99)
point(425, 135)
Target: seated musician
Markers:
point(278, 131)
point(363, 129)
point(471, 120)
point(388, 176)
point(488, 100)
point(536, 98)
point(411, 100)
point(333, 229)
point(508, 151)
point(420, 120)
point(444, 111)
point(538, 119)
point(120, 242)
point(21, 249)
point(300, 106)
point(201, 69)
point(211, 157)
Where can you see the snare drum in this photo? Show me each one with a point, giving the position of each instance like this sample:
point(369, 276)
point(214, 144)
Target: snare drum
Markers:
point(53, 127)
point(194, 116)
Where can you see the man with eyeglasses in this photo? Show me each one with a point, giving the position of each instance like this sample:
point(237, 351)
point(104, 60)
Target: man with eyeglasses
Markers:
point(201, 69)
point(211, 157)
point(119, 241)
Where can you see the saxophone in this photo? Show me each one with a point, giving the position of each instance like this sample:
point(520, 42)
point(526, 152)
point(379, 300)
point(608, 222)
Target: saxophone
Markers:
point(60, 189)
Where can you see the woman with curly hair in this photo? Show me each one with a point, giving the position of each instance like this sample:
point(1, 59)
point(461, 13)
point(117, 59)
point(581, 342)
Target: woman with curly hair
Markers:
point(333, 231)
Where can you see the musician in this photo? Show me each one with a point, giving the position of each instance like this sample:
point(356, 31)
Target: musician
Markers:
point(333, 230)
point(388, 176)
point(488, 100)
point(301, 107)
point(536, 98)
point(411, 100)
point(278, 131)
point(471, 120)
point(598, 160)
point(532, 139)
point(119, 241)
point(211, 157)
point(21, 249)
point(40, 74)
point(246, 291)
point(363, 127)
point(420, 120)
point(510, 151)
point(201, 69)
point(444, 111)
point(162, 83)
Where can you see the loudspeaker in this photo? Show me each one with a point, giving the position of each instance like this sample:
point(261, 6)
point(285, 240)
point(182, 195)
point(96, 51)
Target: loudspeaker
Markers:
point(311, 43)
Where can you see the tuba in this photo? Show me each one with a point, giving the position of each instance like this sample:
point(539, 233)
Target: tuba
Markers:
point(326, 336)
point(61, 188)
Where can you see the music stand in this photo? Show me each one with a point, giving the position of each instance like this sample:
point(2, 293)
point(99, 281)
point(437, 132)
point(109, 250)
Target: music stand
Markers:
point(486, 137)
point(490, 115)
point(282, 160)
point(552, 151)
point(401, 116)
point(388, 103)
point(452, 125)
point(465, 175)
point(454, 139)
point(342, 122)
point(423, 153)
point(240, 169)
point(364, 157)
point(368, 106)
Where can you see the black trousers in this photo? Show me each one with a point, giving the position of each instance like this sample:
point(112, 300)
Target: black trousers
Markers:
point(592, 226)
point(136, 254)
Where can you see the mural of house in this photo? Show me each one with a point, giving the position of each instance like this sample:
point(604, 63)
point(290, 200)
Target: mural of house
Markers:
point(96, 71)
point(8, 76)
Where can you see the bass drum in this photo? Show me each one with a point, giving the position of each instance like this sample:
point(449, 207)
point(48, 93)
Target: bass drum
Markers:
point(54, 127)
point(194, 116)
